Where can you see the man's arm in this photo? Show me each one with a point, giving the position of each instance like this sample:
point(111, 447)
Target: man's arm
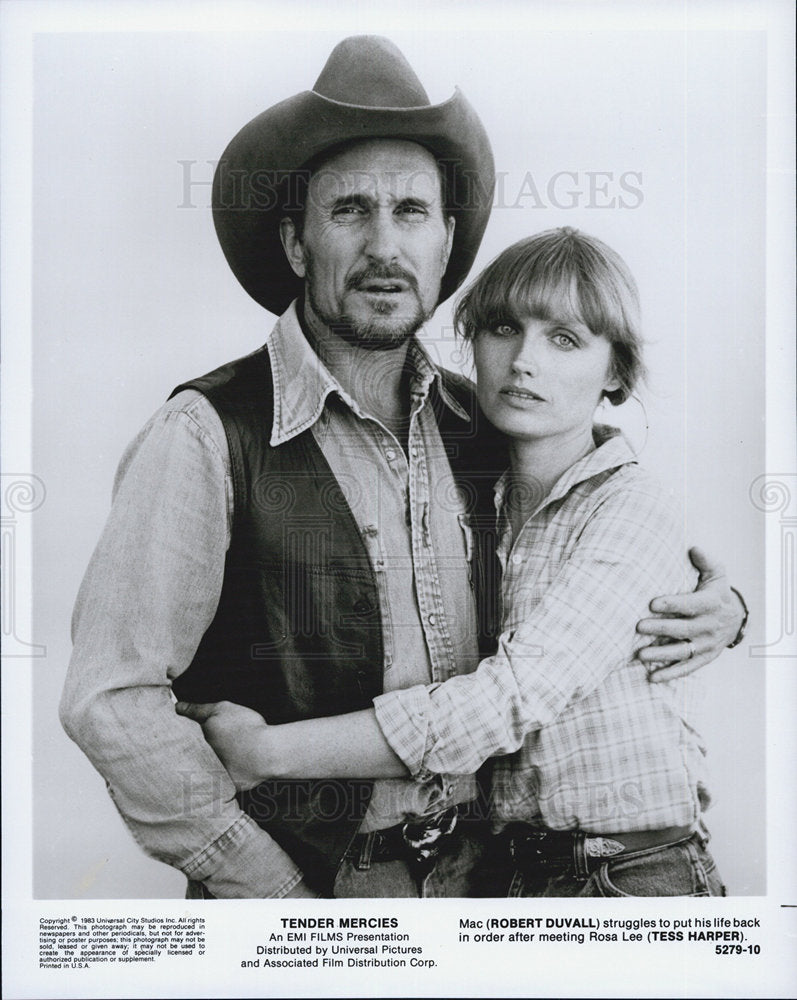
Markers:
point(149, 594)
point(693, 628)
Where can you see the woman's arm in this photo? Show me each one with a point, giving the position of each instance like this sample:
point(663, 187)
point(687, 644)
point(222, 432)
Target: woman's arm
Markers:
point(342, 746)
point(583, 625)
point(567, 630)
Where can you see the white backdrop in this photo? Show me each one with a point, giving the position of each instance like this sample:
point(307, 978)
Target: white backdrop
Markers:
point(651, 138)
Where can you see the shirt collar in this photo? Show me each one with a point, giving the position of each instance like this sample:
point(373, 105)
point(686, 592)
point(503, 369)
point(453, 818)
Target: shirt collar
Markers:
point(302, 381)
point(425, 373)
point(611, 451)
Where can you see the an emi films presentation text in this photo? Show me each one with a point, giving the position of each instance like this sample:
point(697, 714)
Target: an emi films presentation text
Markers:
point(385, 942)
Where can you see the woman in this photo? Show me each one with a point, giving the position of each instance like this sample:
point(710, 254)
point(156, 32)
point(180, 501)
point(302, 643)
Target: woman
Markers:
point(600, 789)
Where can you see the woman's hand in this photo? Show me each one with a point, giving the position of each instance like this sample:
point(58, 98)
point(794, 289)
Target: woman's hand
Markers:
point(238, 735)
point(337, 746)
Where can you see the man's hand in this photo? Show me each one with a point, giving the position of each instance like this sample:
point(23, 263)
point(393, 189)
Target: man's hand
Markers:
point(238, 736)
point(693, 629)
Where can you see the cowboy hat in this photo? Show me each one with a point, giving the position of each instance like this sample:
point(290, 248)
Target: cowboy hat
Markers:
point(366, 90)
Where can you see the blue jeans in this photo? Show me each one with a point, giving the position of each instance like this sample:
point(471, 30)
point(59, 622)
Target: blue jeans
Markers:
point(682, 869)
point(451, 876)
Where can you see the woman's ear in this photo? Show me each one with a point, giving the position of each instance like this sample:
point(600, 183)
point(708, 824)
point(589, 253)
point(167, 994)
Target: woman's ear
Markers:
point(613, 381)
point(292, 246)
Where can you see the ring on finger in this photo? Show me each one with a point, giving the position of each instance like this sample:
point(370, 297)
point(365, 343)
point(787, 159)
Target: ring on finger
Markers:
point(690, 644)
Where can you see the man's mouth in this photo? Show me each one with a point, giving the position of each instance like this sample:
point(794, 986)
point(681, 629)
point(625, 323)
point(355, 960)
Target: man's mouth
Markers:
point(382, 281)
point(378, 286)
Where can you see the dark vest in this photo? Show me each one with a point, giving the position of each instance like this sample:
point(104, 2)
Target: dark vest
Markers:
point(297, 633)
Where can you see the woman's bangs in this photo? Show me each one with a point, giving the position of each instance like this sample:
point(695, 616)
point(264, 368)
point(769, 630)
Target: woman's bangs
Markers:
point(532, 289)
point(602, 309)
point(557, 275)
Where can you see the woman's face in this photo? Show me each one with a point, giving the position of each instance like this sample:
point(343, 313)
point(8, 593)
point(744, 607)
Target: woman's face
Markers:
point(542, 377)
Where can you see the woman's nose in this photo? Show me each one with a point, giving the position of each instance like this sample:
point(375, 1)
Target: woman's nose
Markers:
point(525, 361)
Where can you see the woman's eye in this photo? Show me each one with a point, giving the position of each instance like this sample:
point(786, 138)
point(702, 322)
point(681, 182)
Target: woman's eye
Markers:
point(564, 340)
point(504, 330)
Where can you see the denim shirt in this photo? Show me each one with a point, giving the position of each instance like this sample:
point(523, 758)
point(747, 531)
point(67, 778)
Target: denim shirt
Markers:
point(153, 584)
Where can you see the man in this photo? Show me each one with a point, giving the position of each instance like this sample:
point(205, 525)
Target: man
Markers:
point(299, 530)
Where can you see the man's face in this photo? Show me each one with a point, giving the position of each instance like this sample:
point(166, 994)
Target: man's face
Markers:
point(375, 243)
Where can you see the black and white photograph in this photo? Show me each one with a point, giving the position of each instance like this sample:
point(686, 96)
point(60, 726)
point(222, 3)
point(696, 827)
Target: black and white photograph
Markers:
point(399, 500)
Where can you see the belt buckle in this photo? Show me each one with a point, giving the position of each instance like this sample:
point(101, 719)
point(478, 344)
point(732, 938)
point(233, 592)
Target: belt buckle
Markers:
point(424, 845)
point(423, 837)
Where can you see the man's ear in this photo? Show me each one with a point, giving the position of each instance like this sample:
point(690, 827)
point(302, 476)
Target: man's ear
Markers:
point(292, 246)
point(450, 226)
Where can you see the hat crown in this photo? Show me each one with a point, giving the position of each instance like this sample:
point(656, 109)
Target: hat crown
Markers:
point(370, 71)
point(366, 90)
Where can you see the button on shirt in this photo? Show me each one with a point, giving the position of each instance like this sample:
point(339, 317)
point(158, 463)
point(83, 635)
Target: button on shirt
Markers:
point(152, 589)
point(591, 743)
point(410, 516)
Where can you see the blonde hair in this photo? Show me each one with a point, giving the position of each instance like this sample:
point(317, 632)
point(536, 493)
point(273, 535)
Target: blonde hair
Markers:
point(555, 270)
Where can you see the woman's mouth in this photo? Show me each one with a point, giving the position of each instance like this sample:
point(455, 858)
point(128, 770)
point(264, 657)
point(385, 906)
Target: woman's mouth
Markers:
point(516, 392)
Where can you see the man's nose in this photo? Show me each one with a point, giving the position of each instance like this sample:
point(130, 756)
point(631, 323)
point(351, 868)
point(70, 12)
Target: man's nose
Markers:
point(382, 243)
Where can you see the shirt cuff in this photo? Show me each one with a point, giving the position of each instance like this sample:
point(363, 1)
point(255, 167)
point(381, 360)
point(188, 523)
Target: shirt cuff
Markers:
point(245, 863)
point(403, 717)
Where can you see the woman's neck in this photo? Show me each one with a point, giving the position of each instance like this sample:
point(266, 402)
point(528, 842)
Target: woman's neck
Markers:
point(536, 465)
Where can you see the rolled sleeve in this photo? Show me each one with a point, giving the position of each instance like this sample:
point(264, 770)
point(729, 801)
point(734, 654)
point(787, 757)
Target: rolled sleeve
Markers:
point(151, 590)
point(245, 862)
point(404, 719)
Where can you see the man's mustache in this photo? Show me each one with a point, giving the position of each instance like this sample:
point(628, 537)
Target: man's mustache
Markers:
point(376, 272)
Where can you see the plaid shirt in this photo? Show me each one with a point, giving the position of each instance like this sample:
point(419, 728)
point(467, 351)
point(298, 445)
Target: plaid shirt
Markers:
point(591, 744)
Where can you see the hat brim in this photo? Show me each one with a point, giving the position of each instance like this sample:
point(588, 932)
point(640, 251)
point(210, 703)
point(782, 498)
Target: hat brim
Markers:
point(252, 178)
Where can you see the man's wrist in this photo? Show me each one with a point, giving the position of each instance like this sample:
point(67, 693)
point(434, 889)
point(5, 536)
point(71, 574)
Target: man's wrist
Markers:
point(745, 616)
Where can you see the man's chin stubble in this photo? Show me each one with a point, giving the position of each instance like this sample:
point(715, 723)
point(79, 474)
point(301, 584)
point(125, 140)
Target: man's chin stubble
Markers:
point(374, 334)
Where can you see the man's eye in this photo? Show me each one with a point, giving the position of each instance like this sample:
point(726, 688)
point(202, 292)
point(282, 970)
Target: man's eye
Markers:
point(412, 210)
point(347, 210)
